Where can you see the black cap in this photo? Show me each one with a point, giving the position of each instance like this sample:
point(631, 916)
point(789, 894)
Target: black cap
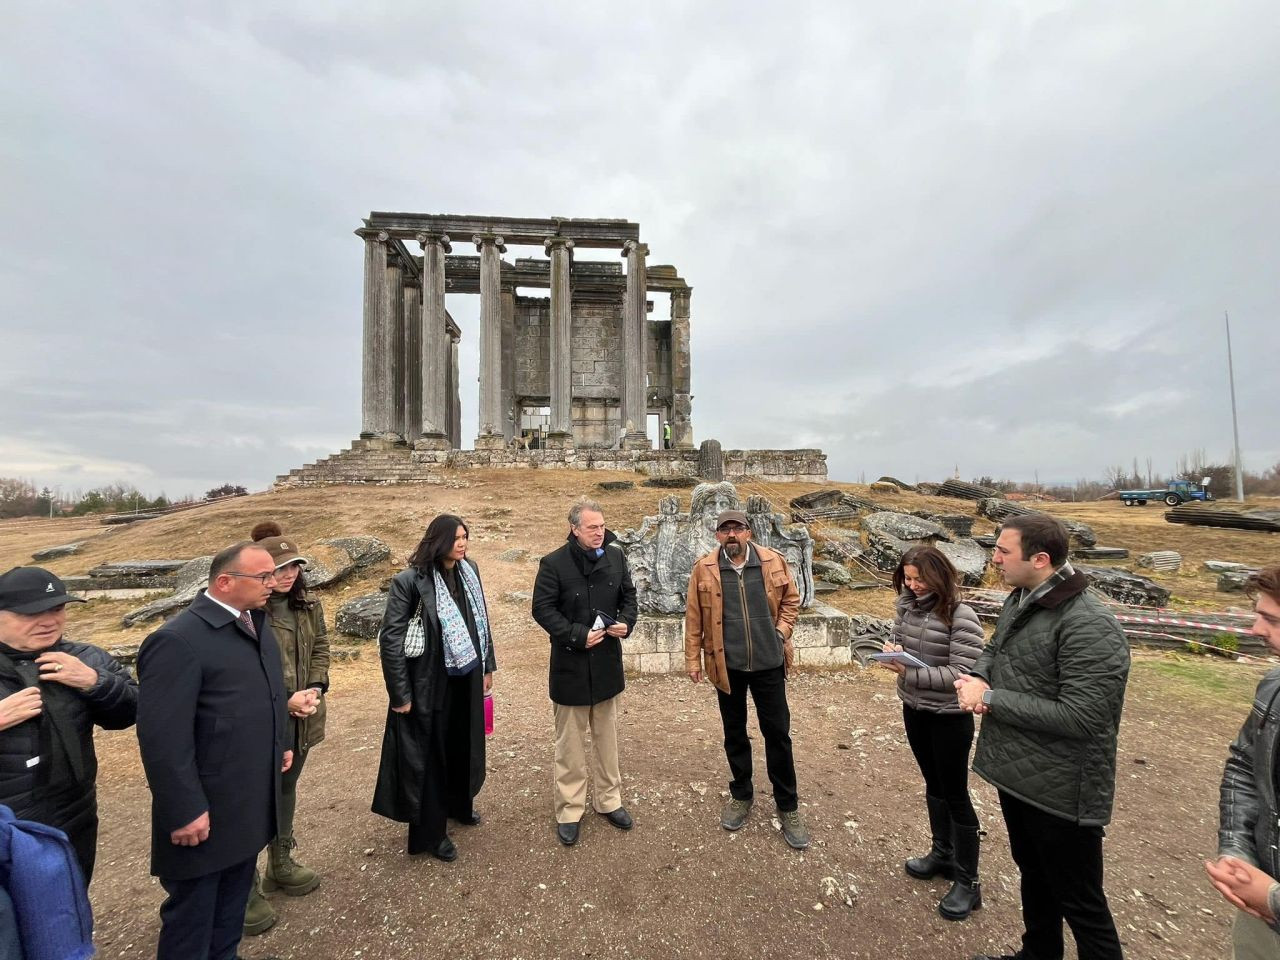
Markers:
point(32, 590)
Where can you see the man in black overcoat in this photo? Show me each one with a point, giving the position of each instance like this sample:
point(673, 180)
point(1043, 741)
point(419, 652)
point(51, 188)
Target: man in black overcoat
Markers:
point(585, 600)
point(212, 727)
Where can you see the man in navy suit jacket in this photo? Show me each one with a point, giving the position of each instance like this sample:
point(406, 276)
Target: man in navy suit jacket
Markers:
point(211, 725)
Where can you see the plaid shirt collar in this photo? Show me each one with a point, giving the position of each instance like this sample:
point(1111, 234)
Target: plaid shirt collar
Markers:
point(1064, 572)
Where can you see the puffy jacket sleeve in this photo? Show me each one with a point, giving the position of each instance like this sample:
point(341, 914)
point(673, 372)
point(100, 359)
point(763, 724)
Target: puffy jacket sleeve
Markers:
point(964, 646)
point(1238, 799)
point(113, 700)
point(1093, 667)
point(546, 608)
point(318, 668)
point(402, 604)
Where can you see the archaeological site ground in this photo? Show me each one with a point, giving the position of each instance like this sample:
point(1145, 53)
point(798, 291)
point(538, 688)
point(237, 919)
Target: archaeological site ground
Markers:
point(677, 885)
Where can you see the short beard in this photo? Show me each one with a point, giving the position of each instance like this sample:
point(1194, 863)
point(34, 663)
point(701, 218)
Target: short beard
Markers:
point(734, 550)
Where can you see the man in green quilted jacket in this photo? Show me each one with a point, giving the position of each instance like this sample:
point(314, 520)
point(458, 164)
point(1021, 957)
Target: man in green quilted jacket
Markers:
point(1050, 688)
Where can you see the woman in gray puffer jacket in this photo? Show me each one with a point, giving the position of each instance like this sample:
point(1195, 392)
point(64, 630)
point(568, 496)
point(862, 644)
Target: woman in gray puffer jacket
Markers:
point(934, 626)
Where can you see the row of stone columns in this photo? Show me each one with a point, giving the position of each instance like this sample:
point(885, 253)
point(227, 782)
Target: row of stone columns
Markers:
point(409, 354)
point(409, 358)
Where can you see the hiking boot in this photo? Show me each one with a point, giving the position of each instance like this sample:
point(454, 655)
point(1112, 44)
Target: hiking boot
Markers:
point(965, 894)
point(793, 829)
point(285, 873)
point(258, 915)
point(734, 814)
point(939, 861)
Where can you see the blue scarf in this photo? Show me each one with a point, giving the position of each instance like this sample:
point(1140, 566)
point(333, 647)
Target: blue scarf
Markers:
point(459, 652)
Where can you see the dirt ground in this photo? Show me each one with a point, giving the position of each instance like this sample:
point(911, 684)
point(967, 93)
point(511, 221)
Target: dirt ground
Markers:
point(677, 885)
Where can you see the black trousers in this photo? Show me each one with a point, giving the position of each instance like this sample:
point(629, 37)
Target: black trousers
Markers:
point(203, 918)
point(1061, 865)
point(446, 783)
point(769, 691)
point(941, 742)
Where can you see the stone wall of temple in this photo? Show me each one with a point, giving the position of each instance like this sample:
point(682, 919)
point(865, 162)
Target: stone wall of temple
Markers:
point(378, 461)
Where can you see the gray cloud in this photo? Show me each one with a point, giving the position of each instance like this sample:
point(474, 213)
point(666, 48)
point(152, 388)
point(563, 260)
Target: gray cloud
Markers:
point(1000, 237)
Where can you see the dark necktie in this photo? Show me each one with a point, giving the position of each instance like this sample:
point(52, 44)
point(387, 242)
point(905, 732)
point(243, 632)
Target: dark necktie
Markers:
point(247, 621)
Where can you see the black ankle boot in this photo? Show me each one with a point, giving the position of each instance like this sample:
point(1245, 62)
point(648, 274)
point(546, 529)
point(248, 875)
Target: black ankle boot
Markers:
point(965, 895)
point(938, 861)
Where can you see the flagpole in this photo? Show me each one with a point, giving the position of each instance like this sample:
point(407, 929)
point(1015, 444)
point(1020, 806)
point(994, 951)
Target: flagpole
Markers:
point(1235, 425)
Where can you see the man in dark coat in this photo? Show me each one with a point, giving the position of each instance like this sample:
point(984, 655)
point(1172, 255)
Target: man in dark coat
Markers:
point(52, 693)
point(212, 727)
point(1050, 689)
point(585, 600)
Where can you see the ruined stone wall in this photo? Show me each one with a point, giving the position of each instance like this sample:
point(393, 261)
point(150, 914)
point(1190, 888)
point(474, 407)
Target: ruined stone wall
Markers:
point(380, 461)
point(532, 348)
point(659, 361)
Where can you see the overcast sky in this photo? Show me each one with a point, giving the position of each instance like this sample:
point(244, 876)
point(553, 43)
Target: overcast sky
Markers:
point(998, 236)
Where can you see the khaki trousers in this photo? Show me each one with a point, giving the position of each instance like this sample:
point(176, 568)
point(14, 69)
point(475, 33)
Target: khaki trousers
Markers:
point(573, 764)
point(1251, 939)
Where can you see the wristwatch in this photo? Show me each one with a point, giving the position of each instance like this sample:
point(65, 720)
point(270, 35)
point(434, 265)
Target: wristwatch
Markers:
point(986, 697)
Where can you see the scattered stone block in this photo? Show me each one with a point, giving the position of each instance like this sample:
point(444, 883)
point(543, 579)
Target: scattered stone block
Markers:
point(616, 485)
point(1168, 560)
point(62, 550)
point(138, 567)
point(1099, 553)
point(511, 556)
point(671, 483)
point(998, 509)
point(841, 544)
point(897, 483)
point(336, 559)
point(711, 461)
point(832, 572)
point(1226, 566)
point(1125, 587)
point(969, 559)
point(362, 617)
point(188, 581)
point(1231, 581)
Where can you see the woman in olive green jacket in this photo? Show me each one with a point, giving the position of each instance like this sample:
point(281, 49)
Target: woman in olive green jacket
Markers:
point(297, 622)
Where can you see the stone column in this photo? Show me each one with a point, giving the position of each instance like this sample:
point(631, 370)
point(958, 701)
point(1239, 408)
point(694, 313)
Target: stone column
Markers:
point(455, 398)
point(509, 424)
point(681, 372)
point(490, 411)
point(433, 358)
point(412, 360)
point(395, 333)
point(560, 428)
point(377, 345)
point(635, 403)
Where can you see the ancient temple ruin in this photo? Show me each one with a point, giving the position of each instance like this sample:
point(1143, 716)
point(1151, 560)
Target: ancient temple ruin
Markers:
point(582, 367)
point(583, 378)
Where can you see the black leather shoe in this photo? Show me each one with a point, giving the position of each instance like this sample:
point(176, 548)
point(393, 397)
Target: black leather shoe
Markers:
point(472, 819)
point(568, 833)
point(620, 818)
point(444, 850)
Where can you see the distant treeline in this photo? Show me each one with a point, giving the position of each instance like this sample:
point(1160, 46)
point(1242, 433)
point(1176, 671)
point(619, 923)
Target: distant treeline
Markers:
point(19, 498)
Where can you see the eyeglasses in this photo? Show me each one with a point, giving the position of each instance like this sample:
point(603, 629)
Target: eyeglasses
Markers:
point(730, 528)
point(262, 578)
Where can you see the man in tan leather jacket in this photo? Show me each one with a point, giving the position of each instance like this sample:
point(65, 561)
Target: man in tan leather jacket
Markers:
point(740, 610)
